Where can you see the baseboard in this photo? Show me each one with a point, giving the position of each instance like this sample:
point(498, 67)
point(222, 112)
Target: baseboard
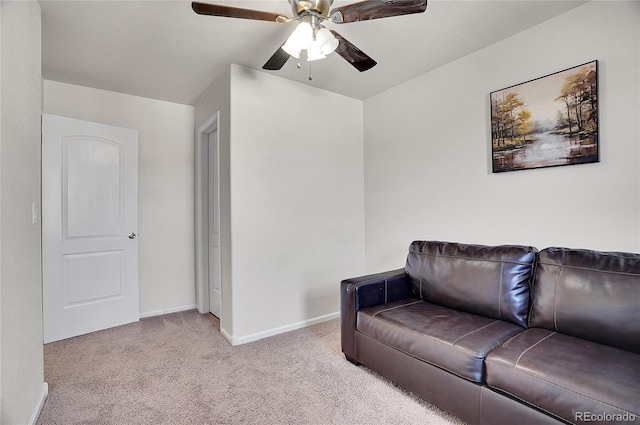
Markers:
point(168, 311)
point(40, 405)
point(239, 340)
point(226, 336)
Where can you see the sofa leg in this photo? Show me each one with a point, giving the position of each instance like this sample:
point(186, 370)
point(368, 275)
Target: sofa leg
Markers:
point(352, 360)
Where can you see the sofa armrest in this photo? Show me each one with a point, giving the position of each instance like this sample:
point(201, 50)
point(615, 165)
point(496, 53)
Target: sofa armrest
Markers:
point(367, 291)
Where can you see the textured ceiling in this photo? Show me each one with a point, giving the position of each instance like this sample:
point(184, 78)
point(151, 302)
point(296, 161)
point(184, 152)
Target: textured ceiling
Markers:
point(163, 50)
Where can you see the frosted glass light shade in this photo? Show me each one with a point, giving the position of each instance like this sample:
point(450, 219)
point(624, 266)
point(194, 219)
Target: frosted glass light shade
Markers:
point(317, 47)
point(314, 53)
point(326, 41)
point(291, 51)
point(299, 39)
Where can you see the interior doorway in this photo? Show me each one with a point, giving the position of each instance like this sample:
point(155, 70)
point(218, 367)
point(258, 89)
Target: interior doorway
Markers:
point(208, 253)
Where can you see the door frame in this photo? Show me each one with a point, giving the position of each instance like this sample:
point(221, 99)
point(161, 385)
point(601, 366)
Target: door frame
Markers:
point(201, 206)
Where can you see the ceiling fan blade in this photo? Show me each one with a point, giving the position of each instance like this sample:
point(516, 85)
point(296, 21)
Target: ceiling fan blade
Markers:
point(374, 9)
point(277, 61)
point(356, 57)
point(235, 12)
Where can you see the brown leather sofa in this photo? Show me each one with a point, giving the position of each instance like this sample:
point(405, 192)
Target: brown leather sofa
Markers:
point(504, 334)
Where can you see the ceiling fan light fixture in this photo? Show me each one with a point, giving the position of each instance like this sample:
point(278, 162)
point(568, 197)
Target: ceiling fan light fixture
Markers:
point(299, 39)
point(318, 47)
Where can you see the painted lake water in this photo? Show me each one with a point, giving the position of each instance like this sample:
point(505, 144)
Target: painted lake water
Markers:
point(549, 149)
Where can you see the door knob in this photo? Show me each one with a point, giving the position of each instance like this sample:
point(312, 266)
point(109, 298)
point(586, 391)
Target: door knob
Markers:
point(132, 235)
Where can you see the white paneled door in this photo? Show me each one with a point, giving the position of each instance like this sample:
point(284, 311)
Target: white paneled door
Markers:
point(89, 227)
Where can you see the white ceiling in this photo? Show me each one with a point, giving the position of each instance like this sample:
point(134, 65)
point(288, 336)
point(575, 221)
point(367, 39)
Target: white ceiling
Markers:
point(163, 50)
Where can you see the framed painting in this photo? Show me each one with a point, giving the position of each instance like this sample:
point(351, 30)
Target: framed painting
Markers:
point(546, 122)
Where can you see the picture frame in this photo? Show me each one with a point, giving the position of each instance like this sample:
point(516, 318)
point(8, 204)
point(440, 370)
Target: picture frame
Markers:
point(546, 122)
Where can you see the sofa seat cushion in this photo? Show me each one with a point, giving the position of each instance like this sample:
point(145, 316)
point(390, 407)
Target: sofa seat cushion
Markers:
point(452, 340)
point(566, 376)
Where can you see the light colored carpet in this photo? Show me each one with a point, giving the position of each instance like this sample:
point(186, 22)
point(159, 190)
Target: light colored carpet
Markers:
point(178, 369)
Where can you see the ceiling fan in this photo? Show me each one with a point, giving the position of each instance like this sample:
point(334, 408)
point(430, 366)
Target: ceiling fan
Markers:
point(311, 35)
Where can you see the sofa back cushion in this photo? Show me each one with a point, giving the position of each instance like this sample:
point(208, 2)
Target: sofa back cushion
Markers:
point(589, 294)
point(492, 281)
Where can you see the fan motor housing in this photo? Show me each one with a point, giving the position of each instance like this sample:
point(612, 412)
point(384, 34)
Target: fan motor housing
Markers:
point(322, 7)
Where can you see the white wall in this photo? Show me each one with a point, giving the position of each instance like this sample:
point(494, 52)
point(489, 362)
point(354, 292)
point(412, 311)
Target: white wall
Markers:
point(165, 185)
point(427, 148)
point(296, 201)
point(21, 357)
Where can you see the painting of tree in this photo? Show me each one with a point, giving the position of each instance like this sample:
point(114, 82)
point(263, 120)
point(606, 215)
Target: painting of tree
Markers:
point(549, 121)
